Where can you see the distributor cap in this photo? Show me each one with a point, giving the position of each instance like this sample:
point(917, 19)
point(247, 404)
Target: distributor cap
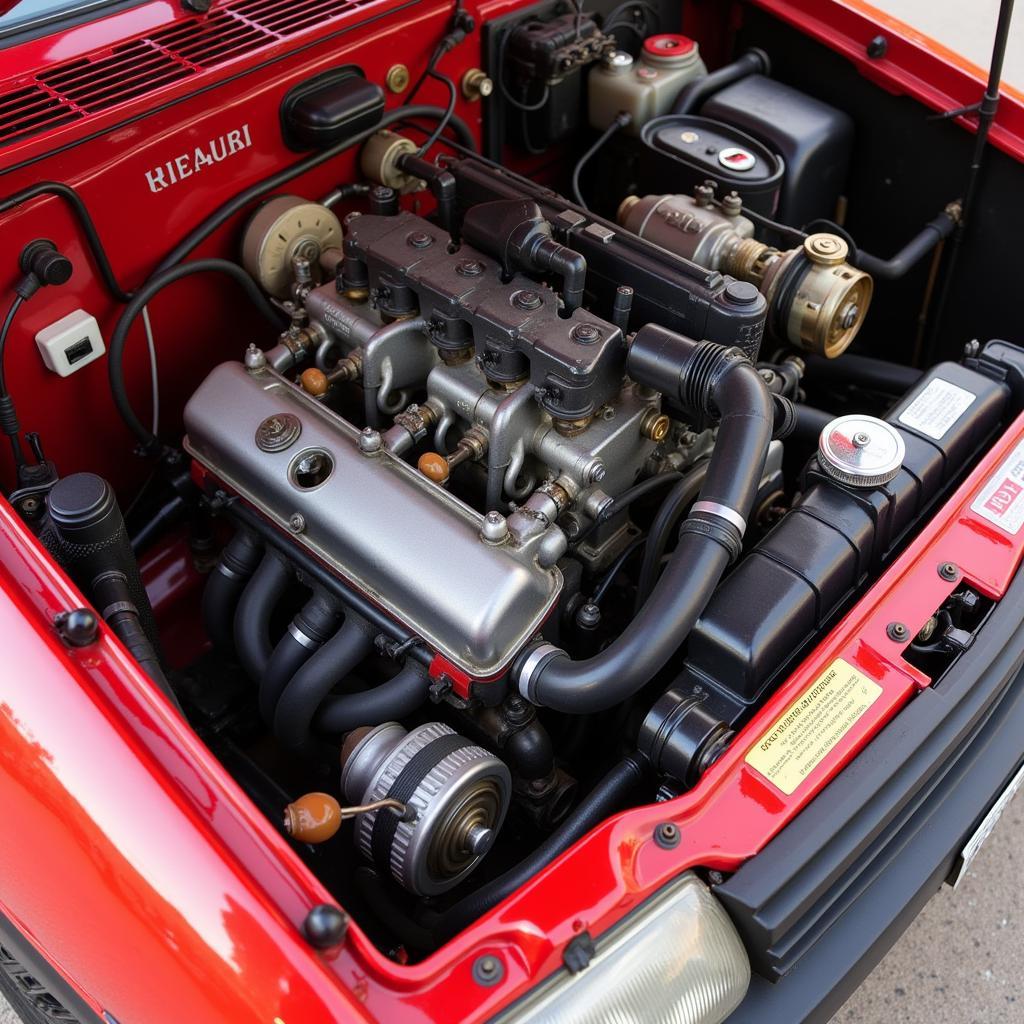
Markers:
point(861, 451)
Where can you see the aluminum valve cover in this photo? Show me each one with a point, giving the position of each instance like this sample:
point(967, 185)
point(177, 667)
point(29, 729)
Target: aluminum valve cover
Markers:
point(405, 542)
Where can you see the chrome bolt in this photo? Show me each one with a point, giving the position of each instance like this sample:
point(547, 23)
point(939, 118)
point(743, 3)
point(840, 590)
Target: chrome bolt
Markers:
point(495, 528)
point(369, 441)
point(479, 839)
point(849, 316)
point(862, 439)
point(254, 358)
point(596, 472)
point(297, 522)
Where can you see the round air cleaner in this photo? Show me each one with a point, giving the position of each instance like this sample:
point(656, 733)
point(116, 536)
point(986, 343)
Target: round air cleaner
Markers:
point(861, 451)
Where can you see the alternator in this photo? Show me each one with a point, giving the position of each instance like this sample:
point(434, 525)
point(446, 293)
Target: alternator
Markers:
point(456, 793)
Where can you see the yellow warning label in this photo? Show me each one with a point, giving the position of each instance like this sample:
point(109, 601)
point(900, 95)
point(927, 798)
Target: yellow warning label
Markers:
point(812, 725)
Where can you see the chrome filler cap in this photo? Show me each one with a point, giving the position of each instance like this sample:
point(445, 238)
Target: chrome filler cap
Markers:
point(861, 451)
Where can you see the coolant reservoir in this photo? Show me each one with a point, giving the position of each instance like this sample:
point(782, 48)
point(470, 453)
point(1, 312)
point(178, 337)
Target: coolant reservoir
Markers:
point(644, 88)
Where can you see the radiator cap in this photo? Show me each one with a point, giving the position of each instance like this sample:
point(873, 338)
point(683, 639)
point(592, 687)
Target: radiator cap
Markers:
point(861, 451)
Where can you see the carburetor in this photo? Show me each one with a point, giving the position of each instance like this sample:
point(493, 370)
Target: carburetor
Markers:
point(516, 376)
point(817, 301)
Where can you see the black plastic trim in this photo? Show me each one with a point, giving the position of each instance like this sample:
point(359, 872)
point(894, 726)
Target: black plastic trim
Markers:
point(824, 901)
point(30, 957)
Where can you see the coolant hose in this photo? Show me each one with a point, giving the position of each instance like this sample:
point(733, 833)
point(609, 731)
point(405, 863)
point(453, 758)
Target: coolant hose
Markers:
point(252, 619)
point(312, 683)
point(604, 799)
point(692, 96)
point(234, 569)
point(710, 382)
point(306, 633)
point(390, 701)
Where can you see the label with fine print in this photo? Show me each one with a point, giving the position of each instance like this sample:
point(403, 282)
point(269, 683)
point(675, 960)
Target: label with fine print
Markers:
point(937, 408)
point(812, 725)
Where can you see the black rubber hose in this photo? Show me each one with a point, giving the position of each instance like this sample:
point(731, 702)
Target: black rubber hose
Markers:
point(313, 569)
point(115, 357)
point(253, 192)
point(810, 422)
point(711, 382)
point(529, 751)
point(938, 228)
point(308, 631)
point(390, 701)
point(692, 96)
point(671, 510)
point(604, 799)
point(224, 587)
point(112, 594)
point(865, 371)
point(74, 200)
point(252, 619)
point(309, 687)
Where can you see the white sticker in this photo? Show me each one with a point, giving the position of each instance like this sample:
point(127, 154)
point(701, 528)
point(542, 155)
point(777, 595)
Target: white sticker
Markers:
point(1001, 500)
point(937, 408)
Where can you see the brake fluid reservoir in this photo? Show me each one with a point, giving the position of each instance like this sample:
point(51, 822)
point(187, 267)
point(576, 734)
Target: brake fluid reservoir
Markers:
point(646, 87)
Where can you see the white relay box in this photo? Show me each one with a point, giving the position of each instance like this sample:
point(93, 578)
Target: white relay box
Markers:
point(72, 342)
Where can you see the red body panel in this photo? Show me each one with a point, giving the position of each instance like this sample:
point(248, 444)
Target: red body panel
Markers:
point(130, 858)
point(123, 818)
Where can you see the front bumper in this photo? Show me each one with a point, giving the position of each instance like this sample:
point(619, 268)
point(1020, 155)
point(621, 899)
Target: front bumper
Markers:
point(820, 905)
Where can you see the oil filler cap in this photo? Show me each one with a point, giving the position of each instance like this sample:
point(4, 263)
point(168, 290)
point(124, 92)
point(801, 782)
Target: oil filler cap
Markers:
point(861, 451)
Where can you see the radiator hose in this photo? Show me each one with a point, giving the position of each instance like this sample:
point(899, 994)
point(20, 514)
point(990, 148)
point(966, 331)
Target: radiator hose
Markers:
point(710, 383)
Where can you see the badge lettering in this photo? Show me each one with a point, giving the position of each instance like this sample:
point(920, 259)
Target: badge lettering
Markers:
point(184, 165)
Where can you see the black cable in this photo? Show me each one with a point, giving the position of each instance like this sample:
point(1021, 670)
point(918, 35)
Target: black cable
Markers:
point(616, 567)
point(527, 108)
point(631, 6)
point(449, 111)
point(74, 200)
point(463, 26)
point(115, 358)
point(207, 227)
point(625, 499)
point(622, 118)
point(672, 509)
point(435, 58)
point(12, 312)
point(8, 416)
point(604, 799)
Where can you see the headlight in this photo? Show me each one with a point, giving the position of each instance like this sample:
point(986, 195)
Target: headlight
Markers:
point(675, 960)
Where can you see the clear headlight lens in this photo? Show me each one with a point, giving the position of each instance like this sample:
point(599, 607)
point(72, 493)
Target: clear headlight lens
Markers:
point(675, 960)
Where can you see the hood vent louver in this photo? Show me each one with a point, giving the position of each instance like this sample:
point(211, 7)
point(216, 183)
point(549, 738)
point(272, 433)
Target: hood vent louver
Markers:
point(31, 110)
point(66, 92)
